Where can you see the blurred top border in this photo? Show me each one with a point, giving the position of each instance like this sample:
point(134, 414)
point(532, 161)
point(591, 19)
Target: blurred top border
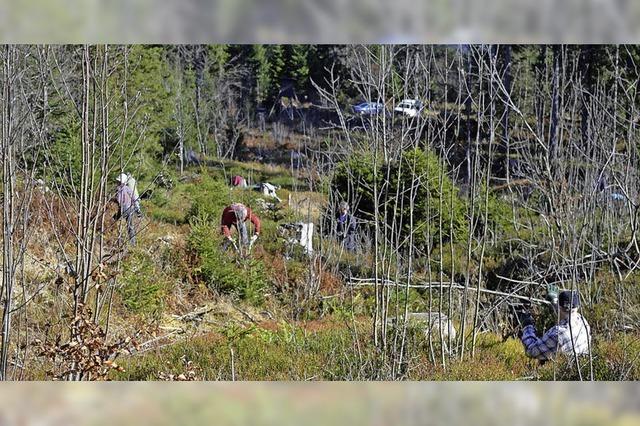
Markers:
point(320, 21)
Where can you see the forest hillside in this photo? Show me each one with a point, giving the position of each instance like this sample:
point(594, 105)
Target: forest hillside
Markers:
point(418, 207)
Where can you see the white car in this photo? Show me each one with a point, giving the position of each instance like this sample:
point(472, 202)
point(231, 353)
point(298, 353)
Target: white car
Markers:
point(409, 107)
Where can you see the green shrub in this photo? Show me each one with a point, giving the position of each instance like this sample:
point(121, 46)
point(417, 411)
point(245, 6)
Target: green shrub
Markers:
point(356, 177)
point(498, 216)
point(344, 309)
point(435, 199)
point(209, 198)
point(245, 278)
point(426, 193)
point(143, 291)
point(414, 298)
point(509, 352)
point(169, 207)
point(62, 167)
point(211, 194)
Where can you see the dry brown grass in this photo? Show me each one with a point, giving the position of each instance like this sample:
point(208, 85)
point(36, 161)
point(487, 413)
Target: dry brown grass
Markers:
point(307, 205)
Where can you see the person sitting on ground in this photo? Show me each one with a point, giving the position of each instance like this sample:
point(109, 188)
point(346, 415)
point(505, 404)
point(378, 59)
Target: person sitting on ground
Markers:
point(571, 335)
point(346, 227)
point(125, 199)
point(236, 215)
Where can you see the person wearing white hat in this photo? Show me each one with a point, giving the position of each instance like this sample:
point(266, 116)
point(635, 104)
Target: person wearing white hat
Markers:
point(125, 199)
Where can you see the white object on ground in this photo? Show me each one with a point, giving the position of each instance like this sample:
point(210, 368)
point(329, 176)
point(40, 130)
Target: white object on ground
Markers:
point(435, 324)
point(269, 190)
point(306, 237)
point(303, 235)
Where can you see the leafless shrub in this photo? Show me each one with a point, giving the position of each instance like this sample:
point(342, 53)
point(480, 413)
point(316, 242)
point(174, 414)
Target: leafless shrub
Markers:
point(86, 355)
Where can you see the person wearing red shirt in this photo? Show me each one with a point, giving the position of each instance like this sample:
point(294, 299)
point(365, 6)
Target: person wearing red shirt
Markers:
point(237, 215)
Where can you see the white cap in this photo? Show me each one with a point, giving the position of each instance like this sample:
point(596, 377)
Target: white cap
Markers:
point(122, 178)
point(240, 210)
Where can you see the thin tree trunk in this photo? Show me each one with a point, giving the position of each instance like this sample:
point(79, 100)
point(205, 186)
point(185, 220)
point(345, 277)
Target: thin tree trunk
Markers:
point(507, 77)
point(8, 182)
point(555, 110)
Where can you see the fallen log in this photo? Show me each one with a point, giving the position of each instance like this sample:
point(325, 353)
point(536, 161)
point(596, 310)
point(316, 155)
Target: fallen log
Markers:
point(369, 282)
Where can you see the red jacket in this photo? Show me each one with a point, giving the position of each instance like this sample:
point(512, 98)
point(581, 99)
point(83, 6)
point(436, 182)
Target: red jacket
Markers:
point(229, 218)
point(238, 181)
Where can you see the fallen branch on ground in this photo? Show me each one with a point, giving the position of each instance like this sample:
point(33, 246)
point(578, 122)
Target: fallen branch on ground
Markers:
point(191, 316)
point(363, 282)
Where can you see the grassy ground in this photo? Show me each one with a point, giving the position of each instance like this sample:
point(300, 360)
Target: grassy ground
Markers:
point(331, 350)
point(256, 339)
point(203, 314)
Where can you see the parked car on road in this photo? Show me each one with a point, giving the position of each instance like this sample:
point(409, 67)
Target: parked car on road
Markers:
point(409, 107)
point(368, 108)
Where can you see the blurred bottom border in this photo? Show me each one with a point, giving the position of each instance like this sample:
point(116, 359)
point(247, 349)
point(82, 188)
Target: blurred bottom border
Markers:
point(374, 403)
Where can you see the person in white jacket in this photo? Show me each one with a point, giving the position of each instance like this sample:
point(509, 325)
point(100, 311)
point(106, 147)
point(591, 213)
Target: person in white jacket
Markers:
point(571, 335)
